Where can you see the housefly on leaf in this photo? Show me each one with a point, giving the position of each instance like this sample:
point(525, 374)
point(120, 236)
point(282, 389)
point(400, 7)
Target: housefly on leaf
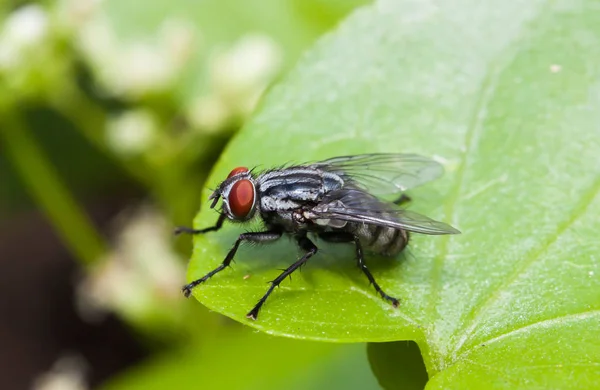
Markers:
point(335, 200)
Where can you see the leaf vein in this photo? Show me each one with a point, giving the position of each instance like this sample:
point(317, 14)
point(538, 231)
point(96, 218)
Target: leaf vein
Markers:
point(582, 205)
point(475, 126)
point(547, 323)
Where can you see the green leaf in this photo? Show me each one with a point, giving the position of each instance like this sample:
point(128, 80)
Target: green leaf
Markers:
point(507, 95)
point(245, 360)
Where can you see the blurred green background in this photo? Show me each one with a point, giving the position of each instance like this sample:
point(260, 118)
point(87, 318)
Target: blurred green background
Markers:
point(112, 113)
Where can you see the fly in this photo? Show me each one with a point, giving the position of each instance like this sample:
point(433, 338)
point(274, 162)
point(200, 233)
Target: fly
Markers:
point(335, 200)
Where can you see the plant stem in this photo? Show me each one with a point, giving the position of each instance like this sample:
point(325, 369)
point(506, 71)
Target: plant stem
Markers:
point(90, 121)
point(48, 191)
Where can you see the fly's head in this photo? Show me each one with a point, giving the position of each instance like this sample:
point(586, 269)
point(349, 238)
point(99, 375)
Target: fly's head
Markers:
point(238, 192)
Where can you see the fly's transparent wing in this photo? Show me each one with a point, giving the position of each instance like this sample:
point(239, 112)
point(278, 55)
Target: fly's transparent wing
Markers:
point(383, 173)
point(398, 219)
point(360, 207)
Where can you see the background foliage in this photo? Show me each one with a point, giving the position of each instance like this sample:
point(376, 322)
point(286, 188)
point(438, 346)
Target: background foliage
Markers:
point(97, 97)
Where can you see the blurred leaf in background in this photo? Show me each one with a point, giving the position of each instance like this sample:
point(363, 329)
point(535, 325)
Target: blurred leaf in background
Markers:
point(244, 360)
point(129, 104)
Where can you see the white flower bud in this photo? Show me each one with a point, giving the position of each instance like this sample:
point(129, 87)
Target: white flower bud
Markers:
point(131, 132)
point(208, 113)
point(24, 29)
point(248, 65)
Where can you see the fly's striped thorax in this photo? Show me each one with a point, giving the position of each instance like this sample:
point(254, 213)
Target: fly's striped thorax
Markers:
point(290, 188)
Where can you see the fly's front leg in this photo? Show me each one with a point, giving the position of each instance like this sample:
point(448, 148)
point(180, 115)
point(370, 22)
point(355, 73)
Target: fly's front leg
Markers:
point(310, 249)
point(338, 237)
point(188, 230)
point(257, 237)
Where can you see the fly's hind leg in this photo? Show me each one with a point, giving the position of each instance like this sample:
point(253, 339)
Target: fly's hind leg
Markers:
point(361, 264)
point(339, 237)
point(402, 200)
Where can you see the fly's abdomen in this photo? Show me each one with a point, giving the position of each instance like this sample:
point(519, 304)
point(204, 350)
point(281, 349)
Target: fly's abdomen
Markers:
point(382, 240)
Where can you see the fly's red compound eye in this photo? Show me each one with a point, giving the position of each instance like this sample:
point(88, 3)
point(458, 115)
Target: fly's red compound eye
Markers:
point(237, 170)
point(241, 198)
